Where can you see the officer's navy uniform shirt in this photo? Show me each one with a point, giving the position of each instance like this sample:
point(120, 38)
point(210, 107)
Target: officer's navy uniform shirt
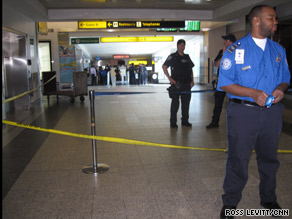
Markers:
point(262, 70)
point(181, 67)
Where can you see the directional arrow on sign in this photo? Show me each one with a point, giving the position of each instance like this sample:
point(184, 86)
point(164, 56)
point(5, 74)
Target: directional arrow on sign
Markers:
point(109, 24)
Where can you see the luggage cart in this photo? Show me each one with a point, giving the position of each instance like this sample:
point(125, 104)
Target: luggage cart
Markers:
point(79, 86)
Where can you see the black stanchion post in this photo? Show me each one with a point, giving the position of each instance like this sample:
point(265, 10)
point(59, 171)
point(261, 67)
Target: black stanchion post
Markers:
point(96, 167)
point(208, 70)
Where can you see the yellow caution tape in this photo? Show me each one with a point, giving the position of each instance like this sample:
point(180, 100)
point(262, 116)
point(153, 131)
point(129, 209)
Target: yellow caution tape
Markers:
point(118, 140)
point(25, 93)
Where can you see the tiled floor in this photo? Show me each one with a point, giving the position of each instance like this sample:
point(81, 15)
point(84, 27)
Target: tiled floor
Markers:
point(42, 173)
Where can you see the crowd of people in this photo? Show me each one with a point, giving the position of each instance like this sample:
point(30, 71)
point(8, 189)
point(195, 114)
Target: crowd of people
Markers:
point(138, 75)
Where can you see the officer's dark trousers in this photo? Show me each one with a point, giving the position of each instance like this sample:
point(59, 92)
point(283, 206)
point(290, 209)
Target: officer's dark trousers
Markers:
point(219, 100)
point(252, 127)
point(185, 104)
point(132, 78)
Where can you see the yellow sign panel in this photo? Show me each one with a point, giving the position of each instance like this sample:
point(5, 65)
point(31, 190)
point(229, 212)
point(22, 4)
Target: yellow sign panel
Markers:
point(91, 24)
point(136, 39)
point(138, 62)
point(129, 24)
point(42, 28)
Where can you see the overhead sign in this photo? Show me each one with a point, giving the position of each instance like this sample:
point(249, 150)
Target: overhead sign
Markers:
point(84, 40)
point(191, 26)
point(130, 24)
point(145, 24)
point(121, 56)
point(136, 39)
point(91, 24)
point(42, 28)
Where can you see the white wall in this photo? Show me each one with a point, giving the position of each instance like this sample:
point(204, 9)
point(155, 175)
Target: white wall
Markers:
point(240, 25)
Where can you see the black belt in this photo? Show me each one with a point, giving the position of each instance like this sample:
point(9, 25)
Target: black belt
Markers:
point(245, 102)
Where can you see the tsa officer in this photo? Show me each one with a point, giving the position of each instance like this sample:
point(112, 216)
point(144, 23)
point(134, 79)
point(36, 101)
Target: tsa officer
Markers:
point(181, 76)
point(219, 96)
point(254, 70)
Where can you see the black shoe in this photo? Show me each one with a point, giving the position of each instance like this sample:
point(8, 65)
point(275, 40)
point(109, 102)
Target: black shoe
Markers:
point(222, 213)
point(186, 124)
point(211, 125)
point(173, 125)
point(271, 205)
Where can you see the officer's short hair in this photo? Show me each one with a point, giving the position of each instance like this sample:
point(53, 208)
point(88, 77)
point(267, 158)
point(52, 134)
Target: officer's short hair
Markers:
point(181, 41)
point(255, 12)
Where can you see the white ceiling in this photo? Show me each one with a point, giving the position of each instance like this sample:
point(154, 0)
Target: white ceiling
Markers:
point(136, 50)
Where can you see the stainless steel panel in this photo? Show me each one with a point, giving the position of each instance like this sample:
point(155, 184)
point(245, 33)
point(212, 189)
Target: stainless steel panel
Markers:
point(15, 69)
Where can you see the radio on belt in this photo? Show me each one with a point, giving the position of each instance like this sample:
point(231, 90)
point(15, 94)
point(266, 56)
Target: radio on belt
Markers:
point(269, 101)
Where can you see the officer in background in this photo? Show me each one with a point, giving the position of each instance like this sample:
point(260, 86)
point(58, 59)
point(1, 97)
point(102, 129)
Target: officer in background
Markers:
point(182, 78)
point(220, 95)
point(252, 69)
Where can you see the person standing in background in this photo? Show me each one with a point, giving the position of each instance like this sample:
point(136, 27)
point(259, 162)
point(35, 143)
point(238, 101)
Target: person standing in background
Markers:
point(93, 75)
point(102, 75)
point(107, 71)
point(113, 76)
point(220, 95)
point(144, 74)
point(132, 71)
point(181, 77)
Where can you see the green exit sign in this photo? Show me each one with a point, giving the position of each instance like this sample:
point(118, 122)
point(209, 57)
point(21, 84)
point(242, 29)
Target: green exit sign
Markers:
point(84, 40)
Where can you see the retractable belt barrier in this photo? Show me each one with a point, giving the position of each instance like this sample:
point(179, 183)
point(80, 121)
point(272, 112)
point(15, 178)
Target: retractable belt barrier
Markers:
point(119, 140)
point(110, 93)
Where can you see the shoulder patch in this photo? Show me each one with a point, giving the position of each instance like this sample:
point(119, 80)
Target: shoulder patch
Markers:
point(232, 48)
point(226, 64)
point(169, 58)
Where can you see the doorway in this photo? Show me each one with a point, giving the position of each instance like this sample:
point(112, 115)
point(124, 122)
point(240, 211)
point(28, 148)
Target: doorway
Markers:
point(44, 48)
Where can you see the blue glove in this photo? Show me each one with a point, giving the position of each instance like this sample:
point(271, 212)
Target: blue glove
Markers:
point(269, 101)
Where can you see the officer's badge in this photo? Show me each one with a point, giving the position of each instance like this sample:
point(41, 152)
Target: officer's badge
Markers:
point(226, 64)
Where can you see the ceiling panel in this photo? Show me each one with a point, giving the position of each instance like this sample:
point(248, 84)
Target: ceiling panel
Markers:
point(146, 4)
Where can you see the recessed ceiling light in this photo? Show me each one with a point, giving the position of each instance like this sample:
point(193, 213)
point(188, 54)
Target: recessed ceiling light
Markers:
point(205, 29)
